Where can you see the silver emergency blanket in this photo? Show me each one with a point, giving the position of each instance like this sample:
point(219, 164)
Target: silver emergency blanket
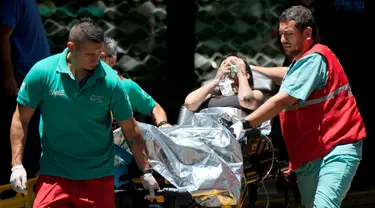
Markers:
point(185, 117)
point(199, 155)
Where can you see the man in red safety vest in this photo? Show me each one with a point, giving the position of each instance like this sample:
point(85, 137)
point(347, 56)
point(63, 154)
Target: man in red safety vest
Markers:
point(321, 125)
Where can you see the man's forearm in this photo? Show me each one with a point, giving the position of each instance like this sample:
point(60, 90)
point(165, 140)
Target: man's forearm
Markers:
point(18, 133)
point(5, 57)
point(138, 148)
point(265, 112)
point(274, 73)
point(158, 114)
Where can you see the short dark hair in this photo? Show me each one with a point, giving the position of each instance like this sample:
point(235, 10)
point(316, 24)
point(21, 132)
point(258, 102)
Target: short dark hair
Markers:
point(243, 58)
point(86, 30)
point(302, 16)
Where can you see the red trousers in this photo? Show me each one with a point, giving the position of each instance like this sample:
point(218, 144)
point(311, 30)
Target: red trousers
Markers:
point(56, 192)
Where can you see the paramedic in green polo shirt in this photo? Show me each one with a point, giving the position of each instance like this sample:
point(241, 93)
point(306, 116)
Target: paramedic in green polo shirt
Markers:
point(140, 101)
point(76, 93)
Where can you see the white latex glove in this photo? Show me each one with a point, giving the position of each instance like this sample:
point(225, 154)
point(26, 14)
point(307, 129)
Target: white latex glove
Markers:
point(18, 179)
point(149, 182)
point(237, 130)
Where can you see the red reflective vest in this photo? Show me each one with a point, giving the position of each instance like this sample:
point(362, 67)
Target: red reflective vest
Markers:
point(329, 117)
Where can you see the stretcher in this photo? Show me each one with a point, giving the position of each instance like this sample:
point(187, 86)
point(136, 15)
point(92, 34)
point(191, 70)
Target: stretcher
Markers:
point(260, 163)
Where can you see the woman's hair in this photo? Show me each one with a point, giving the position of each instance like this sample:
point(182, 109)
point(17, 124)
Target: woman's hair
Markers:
point(242, 57)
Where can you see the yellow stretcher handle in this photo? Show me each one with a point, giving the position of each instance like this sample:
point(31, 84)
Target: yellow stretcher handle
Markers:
point(19, 200)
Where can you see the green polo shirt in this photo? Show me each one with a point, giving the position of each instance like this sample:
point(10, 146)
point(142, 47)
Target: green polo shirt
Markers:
point(140, 101)
point(77, 140)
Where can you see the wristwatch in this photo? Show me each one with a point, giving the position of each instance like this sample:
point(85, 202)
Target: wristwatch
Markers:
point(144, 172)
point(162, 123)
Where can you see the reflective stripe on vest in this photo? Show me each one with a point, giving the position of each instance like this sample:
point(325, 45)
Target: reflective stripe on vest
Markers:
point(319, 100)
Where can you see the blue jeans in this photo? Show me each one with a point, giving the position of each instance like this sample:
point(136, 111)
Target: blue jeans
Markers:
point(324, 183)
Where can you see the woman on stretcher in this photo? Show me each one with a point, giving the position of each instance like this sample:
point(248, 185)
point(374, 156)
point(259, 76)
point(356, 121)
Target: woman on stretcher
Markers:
point(231, 87)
